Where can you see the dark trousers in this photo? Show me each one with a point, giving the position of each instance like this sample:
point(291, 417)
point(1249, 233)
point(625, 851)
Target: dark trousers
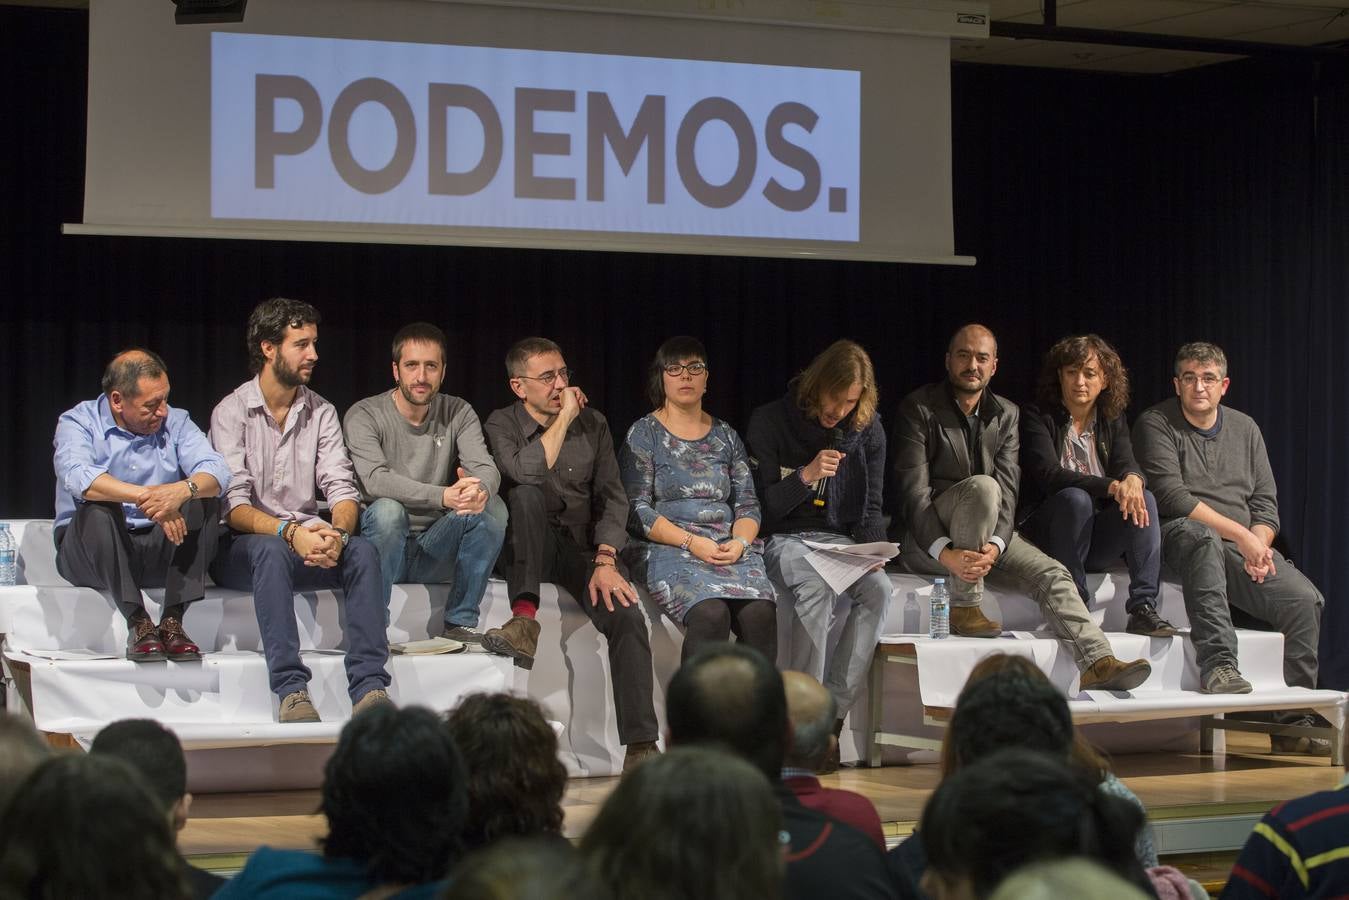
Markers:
point(537, 551)
point(97, 550)
point(1081, 533)
point(263, 564)
point(1213, 579)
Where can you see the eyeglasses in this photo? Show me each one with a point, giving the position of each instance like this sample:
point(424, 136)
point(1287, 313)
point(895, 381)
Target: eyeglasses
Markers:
point(1209, 380)
point(550, 377)
point(674, 370)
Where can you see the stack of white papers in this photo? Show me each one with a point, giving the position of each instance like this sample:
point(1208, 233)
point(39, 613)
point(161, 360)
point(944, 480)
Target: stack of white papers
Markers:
point(840, 565)
point(428, 647)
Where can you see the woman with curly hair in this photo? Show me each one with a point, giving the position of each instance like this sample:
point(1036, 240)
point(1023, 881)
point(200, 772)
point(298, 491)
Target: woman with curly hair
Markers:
point(516, 782)
point(1083, 499)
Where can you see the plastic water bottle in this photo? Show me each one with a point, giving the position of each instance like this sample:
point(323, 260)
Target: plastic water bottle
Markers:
point(939, 619)
point(9, 570)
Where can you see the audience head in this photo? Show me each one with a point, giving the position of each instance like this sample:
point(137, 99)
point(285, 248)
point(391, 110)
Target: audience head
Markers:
point(1007, 708)
point(693, 822)
point(1083, 754)
point(1078, 878)
point(270, 322)
point(839, 383)
point(136, 383)
point(971, 359)
point(525, 868)
point(1102, 373)
point(1201, 381)
point(729, 694)
point(88, 827)
point(685, 385)
point(22, 749)
point(154, 751)
point(517, 781)
point(812, 711)
point(1016, 807)
point(394, 795)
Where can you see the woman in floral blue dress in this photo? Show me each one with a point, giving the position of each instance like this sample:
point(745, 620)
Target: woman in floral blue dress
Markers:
point(693, 506)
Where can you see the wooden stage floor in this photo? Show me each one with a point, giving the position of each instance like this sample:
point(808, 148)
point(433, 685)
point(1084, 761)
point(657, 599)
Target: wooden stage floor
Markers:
point(1247, 779)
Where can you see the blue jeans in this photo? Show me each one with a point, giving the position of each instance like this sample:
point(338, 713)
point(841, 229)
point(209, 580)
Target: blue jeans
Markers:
point(455, 548)
point(263, 564)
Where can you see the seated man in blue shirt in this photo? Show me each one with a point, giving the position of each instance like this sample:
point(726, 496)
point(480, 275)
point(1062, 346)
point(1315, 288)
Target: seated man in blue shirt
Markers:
point(136, 489)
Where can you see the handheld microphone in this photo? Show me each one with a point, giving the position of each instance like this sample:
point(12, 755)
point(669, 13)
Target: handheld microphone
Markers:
point(835, 439)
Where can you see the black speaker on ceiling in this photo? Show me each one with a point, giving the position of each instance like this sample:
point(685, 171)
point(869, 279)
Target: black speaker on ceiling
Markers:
point(209, 12)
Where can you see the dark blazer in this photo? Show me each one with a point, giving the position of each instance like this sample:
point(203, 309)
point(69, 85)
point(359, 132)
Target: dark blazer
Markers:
point(931, 455)
point(1042, 471)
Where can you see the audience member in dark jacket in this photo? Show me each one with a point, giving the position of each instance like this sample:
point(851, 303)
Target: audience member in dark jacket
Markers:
point(730, 695)
point(1083, 499)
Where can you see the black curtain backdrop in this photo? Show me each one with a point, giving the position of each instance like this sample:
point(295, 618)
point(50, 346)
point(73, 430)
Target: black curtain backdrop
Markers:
point(1153, 210)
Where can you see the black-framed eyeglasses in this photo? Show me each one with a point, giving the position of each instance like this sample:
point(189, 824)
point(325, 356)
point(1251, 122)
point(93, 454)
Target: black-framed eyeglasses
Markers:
point(674, 370)
point(550, 376)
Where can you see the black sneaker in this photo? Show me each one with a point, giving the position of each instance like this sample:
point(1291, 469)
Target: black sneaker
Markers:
point(1145, 621)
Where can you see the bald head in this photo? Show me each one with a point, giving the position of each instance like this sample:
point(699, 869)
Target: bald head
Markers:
point(973, 331)
point(731, 695)
point(125, 371)
point(971, 360)
point(811, 710)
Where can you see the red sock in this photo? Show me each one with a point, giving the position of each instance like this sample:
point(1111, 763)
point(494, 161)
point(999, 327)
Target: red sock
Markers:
point(526, 606)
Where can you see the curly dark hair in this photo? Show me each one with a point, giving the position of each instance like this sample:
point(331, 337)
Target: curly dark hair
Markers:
point(394, 794)
point(88, 826)
point(1020, 806)
point(269, 321)
point(516, 782)
point(1074, 351)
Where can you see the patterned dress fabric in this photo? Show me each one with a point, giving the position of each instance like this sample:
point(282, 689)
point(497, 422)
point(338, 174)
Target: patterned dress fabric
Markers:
point(702, 486)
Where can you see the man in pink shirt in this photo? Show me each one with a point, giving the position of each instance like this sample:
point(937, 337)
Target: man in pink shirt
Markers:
point(811, 710)
point(283, 444)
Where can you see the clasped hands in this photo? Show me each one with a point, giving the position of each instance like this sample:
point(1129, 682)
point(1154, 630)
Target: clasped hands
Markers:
point(969, 565)
point(467, 496)
point(161, 504)
point(712, 553)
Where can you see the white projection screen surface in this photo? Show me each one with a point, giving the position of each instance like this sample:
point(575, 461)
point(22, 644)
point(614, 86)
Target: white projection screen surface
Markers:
point(420, 121)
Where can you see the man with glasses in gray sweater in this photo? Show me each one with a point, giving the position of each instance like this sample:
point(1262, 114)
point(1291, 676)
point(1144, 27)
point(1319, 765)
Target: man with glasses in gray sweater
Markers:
point(1209, 471)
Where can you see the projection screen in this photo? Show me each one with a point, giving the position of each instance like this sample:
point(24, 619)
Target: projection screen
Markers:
point(659, 128)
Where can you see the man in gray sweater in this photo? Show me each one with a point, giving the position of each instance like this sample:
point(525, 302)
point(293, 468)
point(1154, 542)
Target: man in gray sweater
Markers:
point(428, 482)
point(1215, 493)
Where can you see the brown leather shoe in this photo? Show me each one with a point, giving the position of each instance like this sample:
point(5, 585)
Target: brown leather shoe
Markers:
point(519, 638)
point(638, 754)
point(1111, 674)
point(177, 645)
point(142, 641)
point(970, 621)
point(372, 698)
point(297, 707)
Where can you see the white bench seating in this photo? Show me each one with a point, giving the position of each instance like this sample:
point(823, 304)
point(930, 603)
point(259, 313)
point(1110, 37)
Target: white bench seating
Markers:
point(66, 644)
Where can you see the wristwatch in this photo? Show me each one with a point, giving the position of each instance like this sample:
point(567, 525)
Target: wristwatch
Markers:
point(192, 488)
point(346, 535)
